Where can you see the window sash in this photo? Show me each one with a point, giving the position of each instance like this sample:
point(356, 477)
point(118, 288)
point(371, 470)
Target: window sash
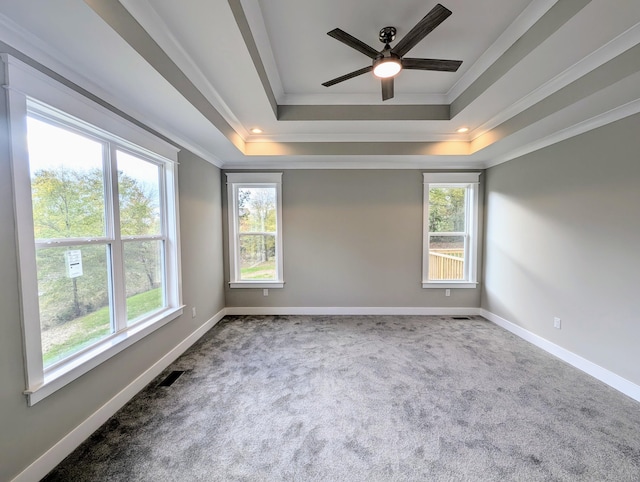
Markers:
point(465, 257)
point(117, 288)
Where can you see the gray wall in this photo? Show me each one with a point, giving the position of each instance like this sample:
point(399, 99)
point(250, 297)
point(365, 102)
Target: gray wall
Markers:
point(563, 239)
point(352, 238)
point(27, 432)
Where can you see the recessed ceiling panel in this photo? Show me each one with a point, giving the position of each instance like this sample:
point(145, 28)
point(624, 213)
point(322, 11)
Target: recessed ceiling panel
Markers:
point(306, 56)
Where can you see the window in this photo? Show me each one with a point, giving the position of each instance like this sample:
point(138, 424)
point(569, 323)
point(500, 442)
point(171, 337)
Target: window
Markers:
point(450, 242)
point(97, 230)
point(255, 230)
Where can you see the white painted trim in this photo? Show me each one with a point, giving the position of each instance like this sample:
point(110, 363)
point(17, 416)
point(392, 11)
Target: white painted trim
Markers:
point(235, 181)
point(449, 284)
point(592, 61)
point(352, 136)
point(352, 310)
point(470, 181)
point(42, 89)
point(255, 19)
point(453, 177)
point(362, 99)
point(613, 380)
point(42, 53)
point(52, 457)
point(527, 19)
point(144, 12)
point(254, 177)
point(65, 107)
point(77, 365)
point(576, 129)
point(358, 162)
point(255, 284)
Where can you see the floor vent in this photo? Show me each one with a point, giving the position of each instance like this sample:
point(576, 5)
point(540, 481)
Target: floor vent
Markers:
point(460, 317)
point(172, 377)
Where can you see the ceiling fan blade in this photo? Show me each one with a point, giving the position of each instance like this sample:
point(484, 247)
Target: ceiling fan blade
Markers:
point(435, 17)
point(353, 42)
point(348, 76)
point(431, 64)
point(387, 88)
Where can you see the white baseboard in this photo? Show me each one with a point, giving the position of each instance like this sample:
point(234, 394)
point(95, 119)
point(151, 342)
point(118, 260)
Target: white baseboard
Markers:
point(52, 457)
point(350, 310)
point(615, 381)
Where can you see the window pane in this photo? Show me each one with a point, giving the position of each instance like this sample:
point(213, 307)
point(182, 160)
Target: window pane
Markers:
point(446, 258)
point(257, 209)
point(446, 209)
point(73, 293)
point(257, 257)
point(143, 266)
point(67, 182)
point(139, 191)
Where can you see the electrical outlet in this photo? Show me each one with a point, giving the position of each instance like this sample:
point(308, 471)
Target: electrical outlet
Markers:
point(193, 312)
point(557, 323)
point(265, 292)
point(447, 292)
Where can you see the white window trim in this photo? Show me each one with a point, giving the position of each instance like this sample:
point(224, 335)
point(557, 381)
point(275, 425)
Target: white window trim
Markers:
point(236, 180)
point(462, 179)
point(23, 85)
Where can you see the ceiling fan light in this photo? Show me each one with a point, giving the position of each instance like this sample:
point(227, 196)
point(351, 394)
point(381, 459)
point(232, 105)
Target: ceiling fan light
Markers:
point(386, 68)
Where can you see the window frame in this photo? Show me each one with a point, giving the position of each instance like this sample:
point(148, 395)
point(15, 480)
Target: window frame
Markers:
point(470, 181)
point(29, 90)
point(236, 181)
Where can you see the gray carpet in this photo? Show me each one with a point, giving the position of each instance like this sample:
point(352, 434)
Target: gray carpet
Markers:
point(355, 398)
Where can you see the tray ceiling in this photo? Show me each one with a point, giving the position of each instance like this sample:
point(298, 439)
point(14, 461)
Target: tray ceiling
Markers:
point(204, 73)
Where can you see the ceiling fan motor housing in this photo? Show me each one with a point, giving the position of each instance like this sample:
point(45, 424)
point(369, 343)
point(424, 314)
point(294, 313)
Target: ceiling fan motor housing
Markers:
point(387, 35)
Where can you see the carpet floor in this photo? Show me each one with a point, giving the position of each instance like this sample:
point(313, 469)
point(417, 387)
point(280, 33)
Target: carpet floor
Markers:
point(365, 398)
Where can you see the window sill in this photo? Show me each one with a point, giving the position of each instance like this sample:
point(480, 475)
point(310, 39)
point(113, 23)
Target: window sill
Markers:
point(449, 284)
point(256, 284)
point(60, 375)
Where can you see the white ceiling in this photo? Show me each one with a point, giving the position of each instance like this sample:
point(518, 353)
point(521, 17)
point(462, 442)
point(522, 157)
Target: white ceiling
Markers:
point(204, 72)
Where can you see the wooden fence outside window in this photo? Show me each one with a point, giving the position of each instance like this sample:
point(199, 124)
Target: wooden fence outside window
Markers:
point(446, 264)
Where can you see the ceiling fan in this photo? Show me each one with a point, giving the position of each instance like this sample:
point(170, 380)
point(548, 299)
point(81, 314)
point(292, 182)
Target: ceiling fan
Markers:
point(390, 61)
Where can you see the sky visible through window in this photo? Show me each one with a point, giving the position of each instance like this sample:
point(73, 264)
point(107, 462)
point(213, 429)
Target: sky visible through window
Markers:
point(52, 147)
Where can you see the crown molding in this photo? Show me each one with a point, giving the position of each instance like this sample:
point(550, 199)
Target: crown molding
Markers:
point(43, 57)
point(604, 54)
point(576, 129)
point(144, 12)
point(534, 12)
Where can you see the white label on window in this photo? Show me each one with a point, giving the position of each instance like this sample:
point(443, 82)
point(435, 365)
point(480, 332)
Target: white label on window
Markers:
point(74, 263)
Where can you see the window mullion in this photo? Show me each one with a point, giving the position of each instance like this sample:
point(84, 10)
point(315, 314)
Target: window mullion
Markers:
point(118, 292)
